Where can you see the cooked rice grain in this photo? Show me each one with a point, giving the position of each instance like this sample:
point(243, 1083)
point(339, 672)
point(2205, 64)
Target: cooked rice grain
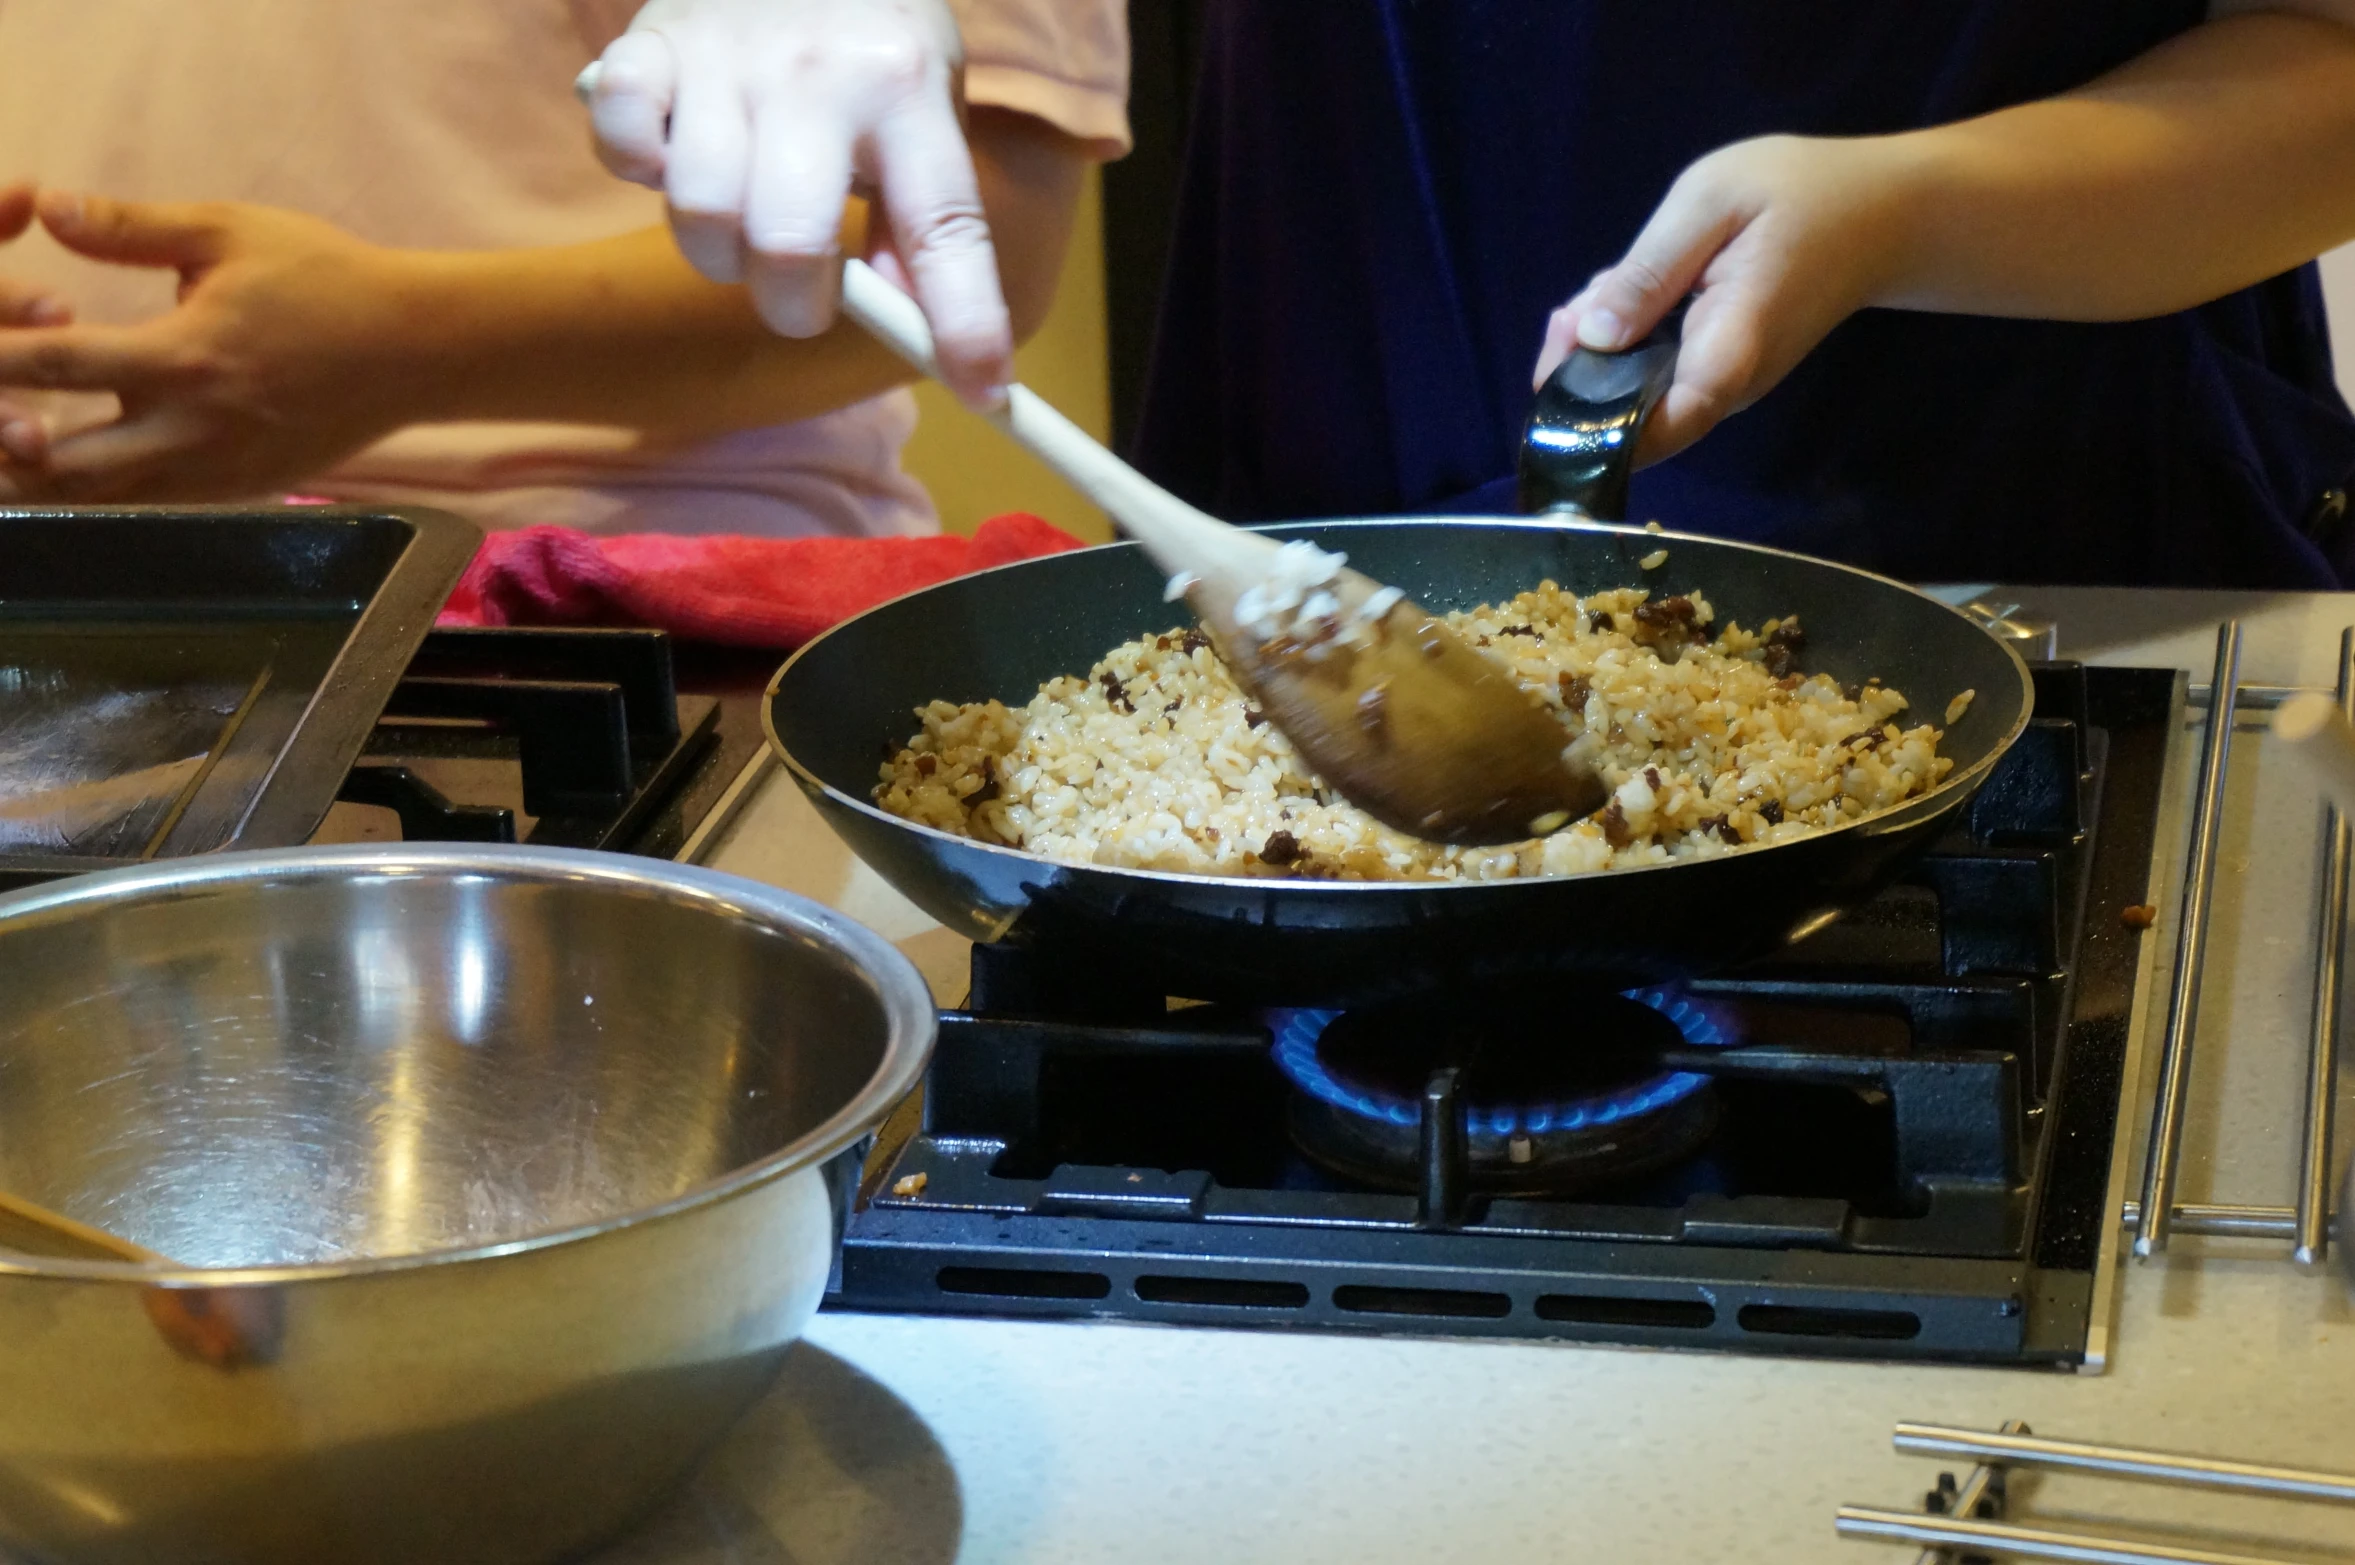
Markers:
point(1156, 760)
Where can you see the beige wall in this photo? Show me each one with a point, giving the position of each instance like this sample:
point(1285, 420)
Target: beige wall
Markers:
point(973, 471)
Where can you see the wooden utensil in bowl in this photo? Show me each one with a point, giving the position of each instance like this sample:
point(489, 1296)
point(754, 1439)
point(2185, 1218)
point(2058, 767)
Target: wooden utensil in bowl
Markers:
point(28, 1228)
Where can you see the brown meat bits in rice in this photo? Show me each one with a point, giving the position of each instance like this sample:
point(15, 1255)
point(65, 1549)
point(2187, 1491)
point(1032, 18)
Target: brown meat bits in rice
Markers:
point(1153, 759)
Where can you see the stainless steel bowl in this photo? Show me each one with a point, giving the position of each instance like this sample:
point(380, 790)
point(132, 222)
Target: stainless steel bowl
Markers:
point(513, 1164)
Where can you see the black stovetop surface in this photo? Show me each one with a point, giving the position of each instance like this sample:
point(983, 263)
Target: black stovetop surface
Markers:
point(1907, 1126)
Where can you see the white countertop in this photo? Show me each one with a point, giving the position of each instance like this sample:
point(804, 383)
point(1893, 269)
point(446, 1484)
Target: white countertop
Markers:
point(930, 1439)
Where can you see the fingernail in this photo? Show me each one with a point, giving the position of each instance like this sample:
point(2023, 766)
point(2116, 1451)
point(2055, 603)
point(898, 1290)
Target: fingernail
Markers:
point(711, 244)
point(61, 206)
point(48, 312)
point(789, 311)
point(20, 438)
point(1600, 328)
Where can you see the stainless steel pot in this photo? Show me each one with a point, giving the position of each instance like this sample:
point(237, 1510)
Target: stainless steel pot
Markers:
point(512, 1166)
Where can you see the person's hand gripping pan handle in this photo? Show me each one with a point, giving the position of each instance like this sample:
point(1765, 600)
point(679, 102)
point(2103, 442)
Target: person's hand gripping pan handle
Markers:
point(758, 118)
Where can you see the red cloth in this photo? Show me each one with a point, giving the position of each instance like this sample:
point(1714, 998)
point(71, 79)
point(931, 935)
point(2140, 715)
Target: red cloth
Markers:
point(749, 592)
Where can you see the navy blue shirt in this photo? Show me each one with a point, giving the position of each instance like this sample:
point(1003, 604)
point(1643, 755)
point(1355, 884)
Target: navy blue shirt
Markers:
point(1384, 199)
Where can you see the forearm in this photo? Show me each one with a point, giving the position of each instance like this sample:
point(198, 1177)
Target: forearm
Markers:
point(2216, 160)
point(625, 332)
point(619, 331)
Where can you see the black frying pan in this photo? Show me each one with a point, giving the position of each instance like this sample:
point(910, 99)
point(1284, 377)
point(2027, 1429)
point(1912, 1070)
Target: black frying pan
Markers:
point(833, 709)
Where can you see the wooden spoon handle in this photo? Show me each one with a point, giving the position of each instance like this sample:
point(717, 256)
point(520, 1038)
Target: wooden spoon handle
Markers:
point(1179, 537)
point(35, 1230)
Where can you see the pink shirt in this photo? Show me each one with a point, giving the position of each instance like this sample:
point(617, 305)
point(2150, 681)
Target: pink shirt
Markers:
point(451, 124)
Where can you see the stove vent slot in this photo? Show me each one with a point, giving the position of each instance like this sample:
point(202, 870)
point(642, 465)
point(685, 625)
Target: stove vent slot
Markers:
point(1006, 1282)
point(1240, 1293)
point(1457, 1303)
point(1794, 1320)
point(1597, 1309)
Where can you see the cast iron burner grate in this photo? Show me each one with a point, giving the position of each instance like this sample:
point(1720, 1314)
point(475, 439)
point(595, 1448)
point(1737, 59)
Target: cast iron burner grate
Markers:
point(571, 738)
point(1899, 1134)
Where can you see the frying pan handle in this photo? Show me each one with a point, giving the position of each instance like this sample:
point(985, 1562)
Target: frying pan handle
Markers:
point(1579, 445)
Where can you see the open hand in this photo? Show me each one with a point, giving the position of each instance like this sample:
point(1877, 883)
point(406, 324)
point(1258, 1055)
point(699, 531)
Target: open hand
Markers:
point(1776, 241)
point(756, 118)
point(282, 357)
point(22, 437)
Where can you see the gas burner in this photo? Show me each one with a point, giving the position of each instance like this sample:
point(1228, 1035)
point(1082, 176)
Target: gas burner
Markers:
point(1556, 1093)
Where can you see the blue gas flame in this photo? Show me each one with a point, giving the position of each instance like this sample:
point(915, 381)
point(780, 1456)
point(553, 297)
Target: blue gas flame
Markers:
point(1296, 1032)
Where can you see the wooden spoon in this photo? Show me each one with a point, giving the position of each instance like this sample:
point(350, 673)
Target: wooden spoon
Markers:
point(30, 1229)
point(1382, 700)
point(227, 1327)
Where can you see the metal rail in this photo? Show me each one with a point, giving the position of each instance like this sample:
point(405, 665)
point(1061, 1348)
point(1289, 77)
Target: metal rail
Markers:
point(2306, 1225)
point(2253, 698)
point(1967, 1523)
point(2322, 1059)
point(2023, 1543)
point(1981, 1495)
point(2183, 995)
point(2223, 1222)
point(2016, 1447)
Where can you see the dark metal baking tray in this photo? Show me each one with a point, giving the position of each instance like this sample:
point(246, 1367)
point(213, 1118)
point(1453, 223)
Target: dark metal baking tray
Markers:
point(177, 681)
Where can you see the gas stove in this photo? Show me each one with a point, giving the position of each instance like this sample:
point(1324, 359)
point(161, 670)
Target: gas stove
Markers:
point(1035, 1430)
point(1893, 1139)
